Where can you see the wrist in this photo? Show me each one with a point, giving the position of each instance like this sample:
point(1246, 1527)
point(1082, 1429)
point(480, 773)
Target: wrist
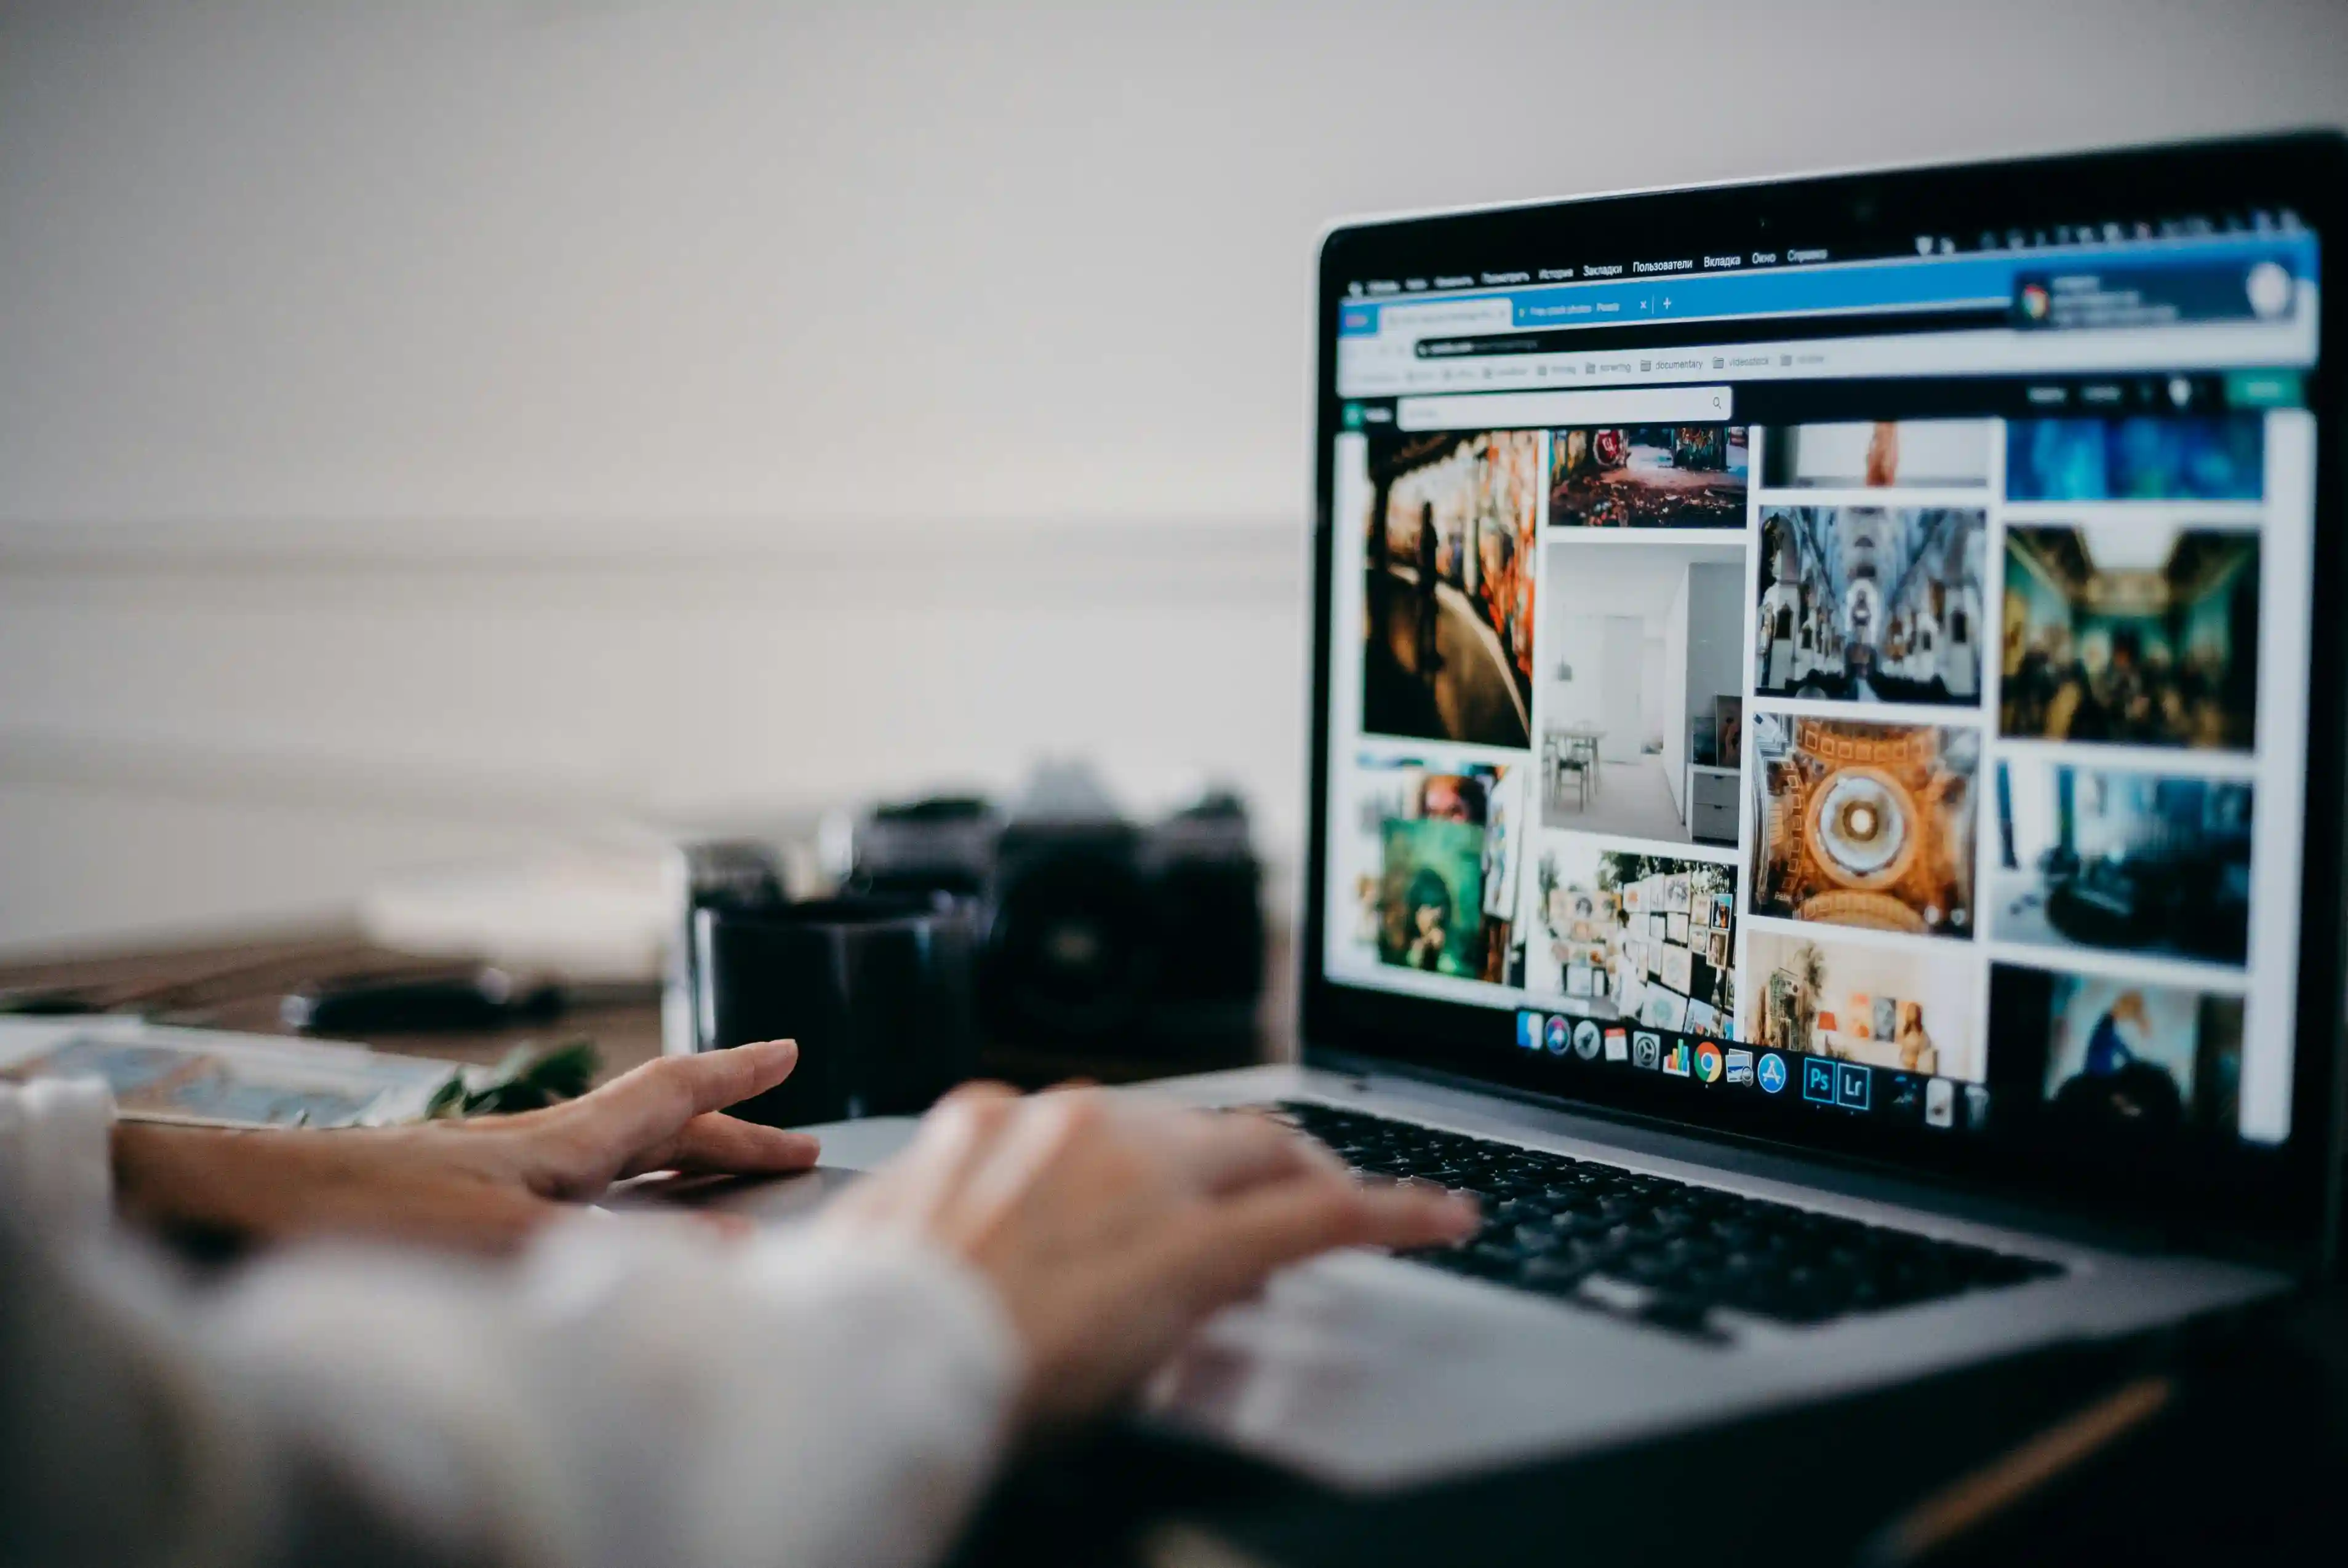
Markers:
point(152, 1165)
point(194, 1183)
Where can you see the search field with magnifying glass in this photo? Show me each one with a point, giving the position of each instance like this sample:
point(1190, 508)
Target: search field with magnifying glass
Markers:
point(1621, 405)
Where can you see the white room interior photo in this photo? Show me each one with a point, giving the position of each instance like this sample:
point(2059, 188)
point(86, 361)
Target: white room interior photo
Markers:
point(1639, 641)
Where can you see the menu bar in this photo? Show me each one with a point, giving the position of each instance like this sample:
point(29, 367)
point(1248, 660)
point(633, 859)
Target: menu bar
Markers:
point(2047, 242)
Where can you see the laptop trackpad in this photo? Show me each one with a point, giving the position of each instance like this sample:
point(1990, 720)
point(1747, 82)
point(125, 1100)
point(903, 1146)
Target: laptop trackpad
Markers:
point(849, 1149)
point(1366, 1373)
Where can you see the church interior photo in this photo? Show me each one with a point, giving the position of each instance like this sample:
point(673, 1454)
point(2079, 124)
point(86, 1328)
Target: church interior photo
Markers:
point(1865, 825)
point(1869, 603)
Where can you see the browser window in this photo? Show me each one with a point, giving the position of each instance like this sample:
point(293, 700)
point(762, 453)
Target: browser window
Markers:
point(1876, 686)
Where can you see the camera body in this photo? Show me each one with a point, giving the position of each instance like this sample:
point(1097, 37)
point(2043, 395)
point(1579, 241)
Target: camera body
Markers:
point(1093, 931)
point(1087, 933)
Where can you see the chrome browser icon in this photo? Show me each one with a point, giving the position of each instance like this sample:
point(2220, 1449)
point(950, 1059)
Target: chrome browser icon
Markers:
point(1708, 1061)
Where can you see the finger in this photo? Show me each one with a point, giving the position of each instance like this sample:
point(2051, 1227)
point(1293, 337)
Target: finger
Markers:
point(978, 1089)
point(717, 1079)
point(717, 1142)
point(1227, 1154)
point(955, 1139)
point(1244, 1241)
point(965, 1119)
point(645, 1107)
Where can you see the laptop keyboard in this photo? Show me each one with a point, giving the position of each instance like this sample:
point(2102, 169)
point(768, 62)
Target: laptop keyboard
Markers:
point(1654, 1249)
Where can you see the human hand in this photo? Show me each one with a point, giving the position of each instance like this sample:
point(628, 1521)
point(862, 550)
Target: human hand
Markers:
point(483, 1184)
point(1111, 1228)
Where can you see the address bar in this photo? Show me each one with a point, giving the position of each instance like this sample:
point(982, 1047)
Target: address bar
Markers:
point(1445, 316)
point(1624, 405)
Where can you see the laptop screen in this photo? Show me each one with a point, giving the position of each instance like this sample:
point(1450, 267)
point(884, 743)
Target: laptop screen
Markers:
point(1835, 661)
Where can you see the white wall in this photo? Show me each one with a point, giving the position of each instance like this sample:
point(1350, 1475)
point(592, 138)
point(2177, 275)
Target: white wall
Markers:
point(1577, 643)
point(1621, 687)
point(1715, 646)
point(429, 430)
point(1655, 703)
point(1675, 683)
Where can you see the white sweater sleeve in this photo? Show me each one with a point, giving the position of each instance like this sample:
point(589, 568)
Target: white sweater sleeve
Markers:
point(628, 1393)
point(56, 1170)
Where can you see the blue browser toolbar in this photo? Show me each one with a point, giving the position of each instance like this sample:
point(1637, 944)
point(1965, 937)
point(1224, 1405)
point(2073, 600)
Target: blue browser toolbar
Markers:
point(1938, 282)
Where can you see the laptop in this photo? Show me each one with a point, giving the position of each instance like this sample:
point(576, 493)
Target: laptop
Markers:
point(1826, 791)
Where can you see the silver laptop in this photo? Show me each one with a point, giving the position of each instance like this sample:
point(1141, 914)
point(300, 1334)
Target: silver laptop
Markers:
point(1827, 783)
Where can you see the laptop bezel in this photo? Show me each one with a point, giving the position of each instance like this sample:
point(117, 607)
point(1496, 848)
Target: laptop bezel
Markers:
point(2280, 1205)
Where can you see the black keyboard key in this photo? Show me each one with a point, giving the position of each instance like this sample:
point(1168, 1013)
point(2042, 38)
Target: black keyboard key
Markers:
point(1657, 1249)
point(1553, 1273)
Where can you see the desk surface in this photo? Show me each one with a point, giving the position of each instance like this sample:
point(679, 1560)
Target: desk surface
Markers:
point(239, 985)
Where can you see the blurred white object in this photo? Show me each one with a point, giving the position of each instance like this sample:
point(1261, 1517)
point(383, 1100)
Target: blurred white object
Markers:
point(599, 915)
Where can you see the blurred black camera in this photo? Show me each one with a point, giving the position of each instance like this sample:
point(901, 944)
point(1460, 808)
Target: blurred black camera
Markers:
point(1093, 931)
point(1084, 932)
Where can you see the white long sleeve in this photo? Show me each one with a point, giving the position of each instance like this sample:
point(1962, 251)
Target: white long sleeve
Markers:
point(55, 1173)
point(626, 1394)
